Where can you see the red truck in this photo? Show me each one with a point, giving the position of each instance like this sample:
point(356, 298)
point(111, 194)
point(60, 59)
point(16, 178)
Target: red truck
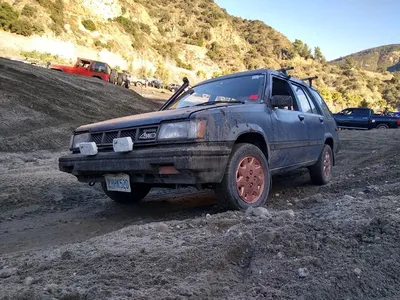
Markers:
point(86, 67)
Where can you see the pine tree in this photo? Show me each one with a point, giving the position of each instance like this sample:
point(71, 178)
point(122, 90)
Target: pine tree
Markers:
point(318, 56)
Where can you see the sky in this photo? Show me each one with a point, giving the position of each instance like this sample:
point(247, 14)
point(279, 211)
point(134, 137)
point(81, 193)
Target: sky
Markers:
point(338, 27)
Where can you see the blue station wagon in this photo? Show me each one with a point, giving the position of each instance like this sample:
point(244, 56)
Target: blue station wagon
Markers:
point(230, 133)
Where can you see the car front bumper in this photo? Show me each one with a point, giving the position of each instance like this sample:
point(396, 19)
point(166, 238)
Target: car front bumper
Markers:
point(173, 164)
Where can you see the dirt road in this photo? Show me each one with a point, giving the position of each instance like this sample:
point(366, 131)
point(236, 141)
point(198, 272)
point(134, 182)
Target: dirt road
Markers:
point(65, 240)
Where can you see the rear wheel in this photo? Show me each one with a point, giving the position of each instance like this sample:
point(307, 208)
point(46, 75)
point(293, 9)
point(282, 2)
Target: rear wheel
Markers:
point(138, 84)
point(139, 191)
point(321, 171)
point(119, 79)
point(382, 126)
point(247, 179)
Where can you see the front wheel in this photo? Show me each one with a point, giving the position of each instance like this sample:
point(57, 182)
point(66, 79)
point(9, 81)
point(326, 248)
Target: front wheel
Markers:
point(139, 191)
point(247, 179)
point(321, 171)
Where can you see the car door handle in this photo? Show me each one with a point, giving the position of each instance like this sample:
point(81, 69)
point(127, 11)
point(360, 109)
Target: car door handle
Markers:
point(321, 119)
point(301, 117)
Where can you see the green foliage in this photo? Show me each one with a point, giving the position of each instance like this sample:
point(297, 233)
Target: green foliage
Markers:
point(29, 11)
point(44, 57)
point(129, 26)
point(183, 65)
point(145, 28)
point(167, 50)
point(162, 73)
point(56, 14)
point(123, 10)
point(22, 27)
point(89, 25)
point(302, 49)
point(318, 56)
point(7, 15)
point(201, 74)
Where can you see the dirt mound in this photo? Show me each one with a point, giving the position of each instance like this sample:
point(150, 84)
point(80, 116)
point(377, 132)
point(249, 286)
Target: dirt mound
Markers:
point(338, 241)
point(39, 108)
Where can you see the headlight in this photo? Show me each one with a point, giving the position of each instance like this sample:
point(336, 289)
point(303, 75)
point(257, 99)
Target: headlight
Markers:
point(194, 129)
point(80, 138)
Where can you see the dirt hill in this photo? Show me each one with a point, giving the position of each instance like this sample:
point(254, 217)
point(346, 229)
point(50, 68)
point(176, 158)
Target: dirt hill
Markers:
point(379, 59)
point(39, 108)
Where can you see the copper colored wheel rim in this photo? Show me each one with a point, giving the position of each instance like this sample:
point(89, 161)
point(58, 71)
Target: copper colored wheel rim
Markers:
point(250, 179)
point(327, 164)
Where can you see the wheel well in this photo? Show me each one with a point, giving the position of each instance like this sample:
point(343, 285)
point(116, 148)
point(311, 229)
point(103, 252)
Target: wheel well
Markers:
point(97, 77)
point(256, 139)
point(59, 70)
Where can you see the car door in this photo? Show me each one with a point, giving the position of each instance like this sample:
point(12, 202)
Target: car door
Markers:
point(361, 117)
point(83, 67)
point(344, 118)
point(314, 120)
point(289, 136)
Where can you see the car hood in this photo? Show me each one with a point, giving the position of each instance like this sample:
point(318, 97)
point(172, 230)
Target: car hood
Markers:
point(62, 67)
point(151, 118)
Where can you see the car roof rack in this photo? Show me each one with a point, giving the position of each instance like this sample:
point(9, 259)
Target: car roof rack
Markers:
point(310, 79)
point(284, 70)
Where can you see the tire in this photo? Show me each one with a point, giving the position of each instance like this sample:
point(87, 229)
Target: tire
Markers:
point(321, 171)
point(139, 84)
point(119, 79)
point(382, 126)
point(113, 76)
point(127, 84)
point(228, 190)
point(139, 191)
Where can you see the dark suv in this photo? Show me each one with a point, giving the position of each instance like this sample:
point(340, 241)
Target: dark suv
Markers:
point(230, 133)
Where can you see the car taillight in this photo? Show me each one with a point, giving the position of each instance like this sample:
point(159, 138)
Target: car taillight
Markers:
point(398, 122)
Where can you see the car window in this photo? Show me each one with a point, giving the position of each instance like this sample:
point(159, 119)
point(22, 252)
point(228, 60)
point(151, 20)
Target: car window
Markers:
point(303, 100)
point(281, 87)
point(361, 112)
point(99, 67)
point(244, 88)
point(321, 103)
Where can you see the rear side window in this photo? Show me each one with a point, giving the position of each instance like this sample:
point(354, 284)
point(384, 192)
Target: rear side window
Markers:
point(361, 112)
point(306, 105)
point(321, 103)
point(99, 67)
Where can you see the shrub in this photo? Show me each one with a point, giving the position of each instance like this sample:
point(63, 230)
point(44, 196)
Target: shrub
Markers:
point(201, 74)
point(183, 65)
point(22, 27)
point(89, 25)
point(129, 26)
point(7, 15)
point(56, 14)
point(145, 28)
point(29, 11)
point(123, 10)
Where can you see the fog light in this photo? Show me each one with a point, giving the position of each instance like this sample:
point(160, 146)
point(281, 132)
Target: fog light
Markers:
point(124, 144)
point(168, 170)
point(88, 148)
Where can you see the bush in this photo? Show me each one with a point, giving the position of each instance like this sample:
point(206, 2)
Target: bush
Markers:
point(7, 15)
point(22, 27)
point(56, 14)
point(89, 25)
point(129, 26)
point(145, 28)
point(29, 11)
point(183, 65)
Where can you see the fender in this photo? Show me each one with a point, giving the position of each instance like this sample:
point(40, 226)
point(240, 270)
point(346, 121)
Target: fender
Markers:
point(243, 128)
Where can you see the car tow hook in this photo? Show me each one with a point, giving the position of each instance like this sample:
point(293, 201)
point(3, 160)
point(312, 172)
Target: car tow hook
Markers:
point(92, 183)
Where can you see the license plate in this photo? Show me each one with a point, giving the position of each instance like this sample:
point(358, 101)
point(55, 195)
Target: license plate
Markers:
point(118, 183)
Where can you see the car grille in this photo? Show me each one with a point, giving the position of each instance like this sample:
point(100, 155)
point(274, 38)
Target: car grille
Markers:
point(139, 135)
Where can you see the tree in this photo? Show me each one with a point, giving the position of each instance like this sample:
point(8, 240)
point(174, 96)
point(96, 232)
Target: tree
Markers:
point(318, 56)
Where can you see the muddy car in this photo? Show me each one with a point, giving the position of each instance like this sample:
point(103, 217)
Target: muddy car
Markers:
point(230, 133)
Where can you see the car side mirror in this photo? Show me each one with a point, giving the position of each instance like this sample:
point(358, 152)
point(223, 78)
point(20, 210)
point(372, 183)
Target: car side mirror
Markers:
point(281, 101)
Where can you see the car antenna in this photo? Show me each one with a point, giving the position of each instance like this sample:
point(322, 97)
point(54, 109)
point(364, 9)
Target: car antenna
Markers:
point(310, 79)
point(284, 70)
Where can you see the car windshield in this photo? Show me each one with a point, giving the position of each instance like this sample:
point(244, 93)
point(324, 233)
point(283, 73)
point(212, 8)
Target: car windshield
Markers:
point(238, 89)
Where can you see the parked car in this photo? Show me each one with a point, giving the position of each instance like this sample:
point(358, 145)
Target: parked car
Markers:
point(139, 82)
point(173, 87)
point(364, 118)
point(230, 133)
point(86, 67)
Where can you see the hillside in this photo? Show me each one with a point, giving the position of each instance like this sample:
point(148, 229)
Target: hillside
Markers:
point(379, 59)
point(171, 39)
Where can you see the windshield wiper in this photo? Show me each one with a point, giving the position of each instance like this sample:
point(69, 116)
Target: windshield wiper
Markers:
point(216, 102)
